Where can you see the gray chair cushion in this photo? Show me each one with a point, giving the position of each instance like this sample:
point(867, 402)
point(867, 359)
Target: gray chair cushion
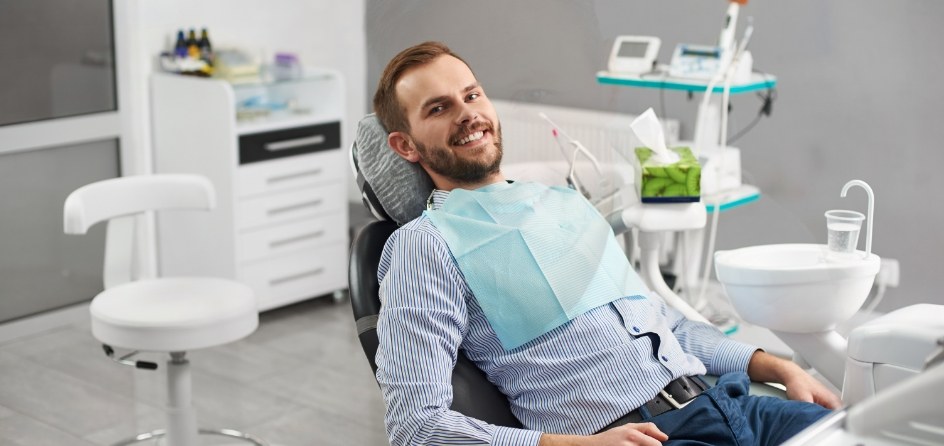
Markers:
point(389, 184)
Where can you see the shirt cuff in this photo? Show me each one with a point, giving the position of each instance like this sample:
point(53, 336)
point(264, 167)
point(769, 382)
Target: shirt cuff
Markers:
point(507, 436)
point(731, 356)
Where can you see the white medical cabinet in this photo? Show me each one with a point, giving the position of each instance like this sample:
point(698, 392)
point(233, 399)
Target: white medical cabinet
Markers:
point(273, 151)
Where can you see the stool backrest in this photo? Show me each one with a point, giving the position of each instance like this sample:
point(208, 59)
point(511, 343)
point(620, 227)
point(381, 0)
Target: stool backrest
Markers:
point(122, 202)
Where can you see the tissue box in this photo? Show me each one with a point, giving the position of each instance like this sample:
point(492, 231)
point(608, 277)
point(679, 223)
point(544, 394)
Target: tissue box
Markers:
point(679, 182)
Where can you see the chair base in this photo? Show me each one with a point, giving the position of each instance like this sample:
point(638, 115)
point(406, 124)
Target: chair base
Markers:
point(159, 433)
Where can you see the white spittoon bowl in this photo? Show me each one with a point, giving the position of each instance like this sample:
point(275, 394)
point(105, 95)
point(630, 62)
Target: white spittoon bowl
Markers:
point(795, 288)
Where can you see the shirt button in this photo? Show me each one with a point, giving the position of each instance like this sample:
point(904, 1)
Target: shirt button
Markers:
point(636, 329)
point(664, 358)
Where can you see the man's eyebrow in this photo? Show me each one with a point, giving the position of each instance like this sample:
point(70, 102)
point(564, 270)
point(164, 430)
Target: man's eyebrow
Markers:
point(442, 98)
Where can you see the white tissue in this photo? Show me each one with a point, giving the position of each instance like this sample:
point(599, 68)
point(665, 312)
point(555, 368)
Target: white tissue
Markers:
point(647, 128)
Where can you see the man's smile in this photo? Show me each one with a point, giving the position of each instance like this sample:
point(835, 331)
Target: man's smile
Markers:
point(473, 137)
point(476, 136)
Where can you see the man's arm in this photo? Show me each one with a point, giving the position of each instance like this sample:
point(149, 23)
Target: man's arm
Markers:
point(722, 354)
point(632, 434)
point(420, 328)
point(800, 385)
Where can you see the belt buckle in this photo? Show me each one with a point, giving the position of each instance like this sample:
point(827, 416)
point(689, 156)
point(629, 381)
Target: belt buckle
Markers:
point(672, 401)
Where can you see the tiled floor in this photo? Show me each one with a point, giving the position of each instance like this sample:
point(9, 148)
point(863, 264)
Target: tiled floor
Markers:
point(300, 379)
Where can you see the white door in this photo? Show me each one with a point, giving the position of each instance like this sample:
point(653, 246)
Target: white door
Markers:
point(61, 126)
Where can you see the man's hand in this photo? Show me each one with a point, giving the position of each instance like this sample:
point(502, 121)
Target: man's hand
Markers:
point(800, 385)
point(632, 434)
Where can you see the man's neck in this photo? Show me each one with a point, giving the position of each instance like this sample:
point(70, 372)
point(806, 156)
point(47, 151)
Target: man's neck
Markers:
point(448, 184)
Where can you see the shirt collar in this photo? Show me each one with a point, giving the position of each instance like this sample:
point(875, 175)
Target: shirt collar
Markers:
point(438, 197)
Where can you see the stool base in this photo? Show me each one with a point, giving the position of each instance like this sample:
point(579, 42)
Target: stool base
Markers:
point(157, 434)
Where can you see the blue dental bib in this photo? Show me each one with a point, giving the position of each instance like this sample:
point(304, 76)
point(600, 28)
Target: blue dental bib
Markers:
point(534, 256)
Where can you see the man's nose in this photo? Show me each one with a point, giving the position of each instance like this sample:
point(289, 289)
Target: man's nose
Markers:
point(467, 114)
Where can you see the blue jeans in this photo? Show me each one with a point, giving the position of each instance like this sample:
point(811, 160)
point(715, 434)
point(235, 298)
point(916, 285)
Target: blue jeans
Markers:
point(726, 415)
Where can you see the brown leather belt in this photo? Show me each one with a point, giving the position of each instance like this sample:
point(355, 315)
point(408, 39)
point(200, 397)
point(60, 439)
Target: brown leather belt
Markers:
point(676, 395)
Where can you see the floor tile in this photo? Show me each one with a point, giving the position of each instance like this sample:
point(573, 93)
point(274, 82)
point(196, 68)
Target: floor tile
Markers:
point(300, 379)
point(21, 430)
point(243, 362)
point(73, 351)
point(58, 399)
point(139, 419)
point(323, 428)
point(355, 396)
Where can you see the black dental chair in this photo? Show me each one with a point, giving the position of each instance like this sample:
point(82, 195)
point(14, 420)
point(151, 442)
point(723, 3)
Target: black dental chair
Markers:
point(472, 394)
point(395, 191)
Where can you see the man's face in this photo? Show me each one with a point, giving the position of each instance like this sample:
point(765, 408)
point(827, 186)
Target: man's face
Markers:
point(453, 125)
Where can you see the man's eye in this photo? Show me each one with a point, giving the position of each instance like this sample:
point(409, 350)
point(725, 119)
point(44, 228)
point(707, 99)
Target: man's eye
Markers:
point(474, 96)
point(436, 109)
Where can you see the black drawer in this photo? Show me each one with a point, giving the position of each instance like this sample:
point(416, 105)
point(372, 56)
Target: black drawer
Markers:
point(290, 142)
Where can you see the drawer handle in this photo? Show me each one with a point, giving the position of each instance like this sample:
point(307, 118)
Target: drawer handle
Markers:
point(293, 176)
point(295, 277)
point(288, 241)
point(294, 143)
point(294, 207)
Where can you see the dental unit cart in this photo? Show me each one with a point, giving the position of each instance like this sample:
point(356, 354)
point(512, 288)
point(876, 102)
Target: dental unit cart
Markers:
point(721, 187)
point(272, 149)
point(730, 193)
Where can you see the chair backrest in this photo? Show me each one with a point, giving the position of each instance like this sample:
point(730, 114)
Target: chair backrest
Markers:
point(121, 201)
point(392, 188)
point(118, 197)
point(472, 393)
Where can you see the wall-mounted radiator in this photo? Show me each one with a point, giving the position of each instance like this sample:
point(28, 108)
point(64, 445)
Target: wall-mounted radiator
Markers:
point(527, 137)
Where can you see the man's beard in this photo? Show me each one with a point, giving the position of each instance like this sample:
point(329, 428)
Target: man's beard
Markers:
point(445, 162)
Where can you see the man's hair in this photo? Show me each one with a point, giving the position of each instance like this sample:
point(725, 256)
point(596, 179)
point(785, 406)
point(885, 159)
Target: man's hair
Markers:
point(386, 103)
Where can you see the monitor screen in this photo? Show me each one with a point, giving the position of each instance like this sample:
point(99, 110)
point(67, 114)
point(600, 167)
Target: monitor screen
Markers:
point(633, 49)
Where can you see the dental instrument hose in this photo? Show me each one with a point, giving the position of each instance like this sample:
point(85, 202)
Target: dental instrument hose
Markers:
point(572, 179)
point(712, 235)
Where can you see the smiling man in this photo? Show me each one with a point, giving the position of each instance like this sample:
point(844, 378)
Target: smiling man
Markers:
point(528, 282)
point(444, 121)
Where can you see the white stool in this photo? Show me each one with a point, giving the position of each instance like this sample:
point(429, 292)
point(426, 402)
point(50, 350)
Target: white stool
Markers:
point(172, 315)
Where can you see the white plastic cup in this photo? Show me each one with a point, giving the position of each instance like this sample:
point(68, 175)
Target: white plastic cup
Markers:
point(842, 230)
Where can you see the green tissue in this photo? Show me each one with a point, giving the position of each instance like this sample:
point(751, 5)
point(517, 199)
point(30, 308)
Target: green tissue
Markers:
point(679, 182)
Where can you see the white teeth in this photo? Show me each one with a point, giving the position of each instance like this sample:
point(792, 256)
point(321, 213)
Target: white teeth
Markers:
point(473, 137)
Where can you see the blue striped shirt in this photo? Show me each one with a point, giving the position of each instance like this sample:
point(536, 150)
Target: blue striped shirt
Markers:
point(574, 379)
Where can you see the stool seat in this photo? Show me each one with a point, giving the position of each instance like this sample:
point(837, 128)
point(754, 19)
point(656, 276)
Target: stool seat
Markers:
point(174, 314)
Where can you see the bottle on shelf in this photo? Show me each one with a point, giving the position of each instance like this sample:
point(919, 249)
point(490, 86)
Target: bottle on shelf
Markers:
point(180, 46)
point(206, 50)
point(193, 48)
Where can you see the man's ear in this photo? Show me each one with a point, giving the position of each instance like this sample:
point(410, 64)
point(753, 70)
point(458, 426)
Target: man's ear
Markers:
point(402, 144)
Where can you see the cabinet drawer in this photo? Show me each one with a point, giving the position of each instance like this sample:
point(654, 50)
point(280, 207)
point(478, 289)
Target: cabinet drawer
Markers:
point(291, 237)
point(290, 142)
point(288, 206)
point(301, 275)
point(290, 173)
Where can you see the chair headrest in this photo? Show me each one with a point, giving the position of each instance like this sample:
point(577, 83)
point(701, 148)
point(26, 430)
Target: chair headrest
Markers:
point(392, 188)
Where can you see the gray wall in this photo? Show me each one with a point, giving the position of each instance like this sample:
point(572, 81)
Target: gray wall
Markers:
point(858, 97)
